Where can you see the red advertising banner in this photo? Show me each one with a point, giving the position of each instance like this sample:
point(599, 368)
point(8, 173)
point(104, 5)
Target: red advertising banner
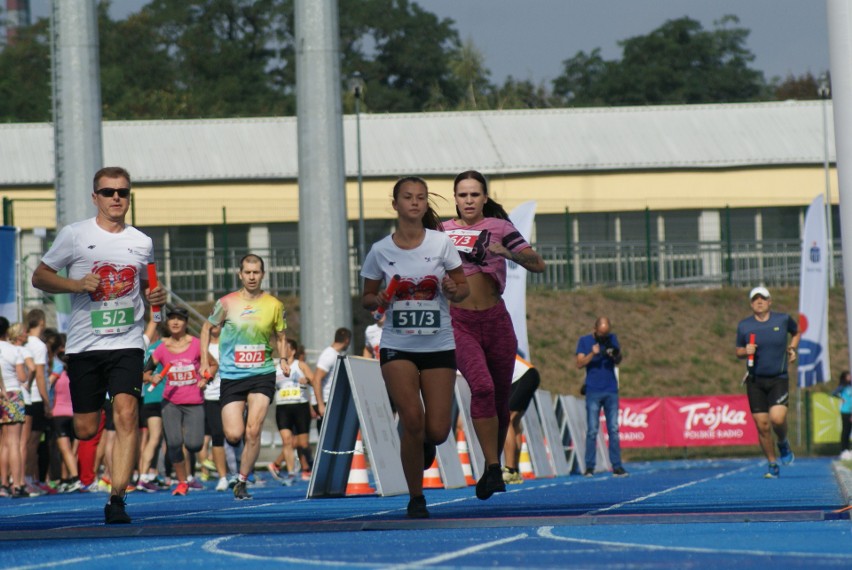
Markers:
point(641, 422)
point(709, 420)
point(684, 422)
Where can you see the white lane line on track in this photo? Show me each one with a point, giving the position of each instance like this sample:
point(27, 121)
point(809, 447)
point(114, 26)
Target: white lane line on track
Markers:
point(212, 547)
point(459, 553)
point(669, 490)
point(547, 532)
point(113, 554)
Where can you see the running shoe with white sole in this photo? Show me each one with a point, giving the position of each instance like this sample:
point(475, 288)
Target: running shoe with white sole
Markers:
point(772, 471)
point(786, 456)
point(240, 491)
point(222, 485)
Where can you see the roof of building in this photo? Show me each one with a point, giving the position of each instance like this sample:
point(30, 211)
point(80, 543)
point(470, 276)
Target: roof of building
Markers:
point(496, 142)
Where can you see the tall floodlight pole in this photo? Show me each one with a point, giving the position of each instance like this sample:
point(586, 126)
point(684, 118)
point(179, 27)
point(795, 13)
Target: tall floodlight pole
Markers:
point(77, 141)
point(356, 84)
point(839, 13)
point(824, 91)
point(323, 238)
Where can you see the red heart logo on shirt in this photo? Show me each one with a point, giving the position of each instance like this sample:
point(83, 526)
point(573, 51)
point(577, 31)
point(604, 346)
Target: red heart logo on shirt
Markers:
point(115, 282)
point(422, 289)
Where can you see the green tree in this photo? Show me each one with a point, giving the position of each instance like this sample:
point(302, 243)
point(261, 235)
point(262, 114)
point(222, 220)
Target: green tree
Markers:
point(468, 67)
point(226, 56)
point(802, 88)
point(403, 53)
point(678, 63)
point(25, 76)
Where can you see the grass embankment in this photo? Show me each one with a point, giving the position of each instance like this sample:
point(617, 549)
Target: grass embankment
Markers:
point(676, 342)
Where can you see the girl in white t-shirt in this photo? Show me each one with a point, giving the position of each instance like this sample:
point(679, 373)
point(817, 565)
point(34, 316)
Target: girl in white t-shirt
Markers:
point(12, 376)
point(417, 350)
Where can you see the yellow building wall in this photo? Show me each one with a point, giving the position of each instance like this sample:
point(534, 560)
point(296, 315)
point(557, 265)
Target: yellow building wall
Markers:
point(265, 202)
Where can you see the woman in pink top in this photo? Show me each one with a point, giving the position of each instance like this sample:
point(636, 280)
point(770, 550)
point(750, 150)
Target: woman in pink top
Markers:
point(183, 396)
point(485, 338)
point(63, 423)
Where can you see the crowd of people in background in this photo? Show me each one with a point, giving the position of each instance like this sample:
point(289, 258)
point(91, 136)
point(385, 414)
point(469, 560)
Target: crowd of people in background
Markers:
point(182, 439)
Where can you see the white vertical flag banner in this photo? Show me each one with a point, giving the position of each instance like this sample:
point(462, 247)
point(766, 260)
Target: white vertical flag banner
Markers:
point(813, 299)
point(515, 294)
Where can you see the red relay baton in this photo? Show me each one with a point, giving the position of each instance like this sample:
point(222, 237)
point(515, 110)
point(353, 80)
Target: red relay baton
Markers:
point(156, 310)
point(751, 356)
point(389, 292)
point(163, 374)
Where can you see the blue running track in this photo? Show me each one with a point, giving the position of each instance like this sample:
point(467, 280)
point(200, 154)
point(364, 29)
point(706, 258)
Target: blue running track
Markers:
point(674, 514)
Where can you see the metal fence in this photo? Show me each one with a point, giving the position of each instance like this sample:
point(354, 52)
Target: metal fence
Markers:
point(205, 274)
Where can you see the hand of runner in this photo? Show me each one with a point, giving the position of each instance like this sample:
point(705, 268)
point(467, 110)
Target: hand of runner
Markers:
point(285, 368)
point(449, 286)
point(157, 296)
point(89, 283)
point(498, 249)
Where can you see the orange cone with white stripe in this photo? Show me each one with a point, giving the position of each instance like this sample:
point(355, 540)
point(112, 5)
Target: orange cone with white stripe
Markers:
point(525, 464)
point(432, 476)
point(464, 456)
point(359, 478)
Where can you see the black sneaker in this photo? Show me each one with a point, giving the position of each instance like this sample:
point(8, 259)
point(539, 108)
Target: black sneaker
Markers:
point(491, 482)
point(429, 453)
point(589, 472)
point(19, 493)
point(240, 492)
point(620, 472)
point(114, 512)
point(417, 508)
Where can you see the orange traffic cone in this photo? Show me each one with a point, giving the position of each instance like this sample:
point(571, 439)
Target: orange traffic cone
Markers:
point(359, 480)
point(464, 456)
point(432, 476)
point(524, 464)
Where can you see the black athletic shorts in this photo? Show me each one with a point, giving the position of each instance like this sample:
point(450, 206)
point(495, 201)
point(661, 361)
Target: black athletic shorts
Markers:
point(150, 410)
point(523, 391)
point(63, 426)
point(109, 421)
point(36, 412)
point(294, 417)
point(213, 422)
point(422, 360)
point(95, 372)
point(238, 390)
point(765, 392)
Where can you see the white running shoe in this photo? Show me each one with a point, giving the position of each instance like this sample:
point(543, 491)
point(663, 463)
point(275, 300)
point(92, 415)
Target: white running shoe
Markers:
point(222, 485)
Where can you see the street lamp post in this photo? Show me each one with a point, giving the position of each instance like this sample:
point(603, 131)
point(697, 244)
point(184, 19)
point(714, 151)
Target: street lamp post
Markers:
point(357, 86)
point(824, 92)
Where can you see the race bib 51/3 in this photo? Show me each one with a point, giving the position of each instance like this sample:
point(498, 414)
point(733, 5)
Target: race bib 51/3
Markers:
point(416, 317)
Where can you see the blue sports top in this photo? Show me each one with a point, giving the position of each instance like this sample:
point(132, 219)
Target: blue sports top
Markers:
point(770, 359)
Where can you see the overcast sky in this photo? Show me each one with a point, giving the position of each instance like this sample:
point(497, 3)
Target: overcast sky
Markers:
point(529, 39)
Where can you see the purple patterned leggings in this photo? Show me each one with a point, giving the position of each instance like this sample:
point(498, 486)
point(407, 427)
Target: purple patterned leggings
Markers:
point(485, 354)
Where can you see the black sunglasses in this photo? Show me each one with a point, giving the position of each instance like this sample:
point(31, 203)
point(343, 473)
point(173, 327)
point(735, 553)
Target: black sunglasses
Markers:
point(110, 192)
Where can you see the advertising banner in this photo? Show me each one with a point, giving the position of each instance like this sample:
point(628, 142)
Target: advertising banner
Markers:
point(641, 422)
point(813, 299)
point(825, 418)
point(515, 294)
point(709, 420)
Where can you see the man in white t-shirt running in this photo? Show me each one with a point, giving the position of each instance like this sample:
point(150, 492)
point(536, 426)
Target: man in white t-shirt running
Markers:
point(325, 365)
point(106, 261)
